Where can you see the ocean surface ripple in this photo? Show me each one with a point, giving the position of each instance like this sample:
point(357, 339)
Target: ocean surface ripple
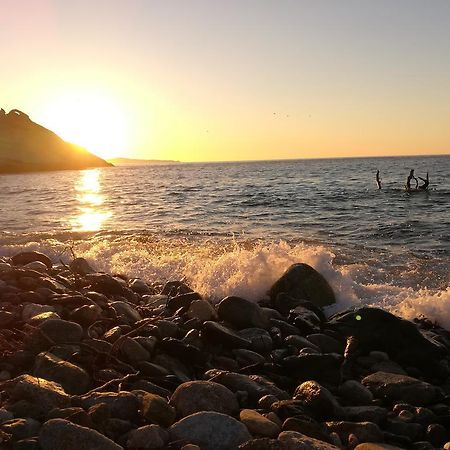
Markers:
point(235, 227)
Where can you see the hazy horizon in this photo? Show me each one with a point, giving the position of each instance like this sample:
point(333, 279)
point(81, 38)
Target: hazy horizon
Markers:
point(214, 81)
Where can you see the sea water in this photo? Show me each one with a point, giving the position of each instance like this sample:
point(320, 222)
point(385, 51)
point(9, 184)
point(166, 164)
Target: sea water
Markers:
point(234, 228)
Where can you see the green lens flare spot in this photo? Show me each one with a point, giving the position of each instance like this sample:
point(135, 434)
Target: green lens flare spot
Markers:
point(358, 317)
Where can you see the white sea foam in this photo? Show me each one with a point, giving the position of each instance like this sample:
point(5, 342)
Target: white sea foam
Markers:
point(218, 268)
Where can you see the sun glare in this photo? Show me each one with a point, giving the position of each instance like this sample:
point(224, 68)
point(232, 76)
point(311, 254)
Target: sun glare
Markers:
point(90, 118)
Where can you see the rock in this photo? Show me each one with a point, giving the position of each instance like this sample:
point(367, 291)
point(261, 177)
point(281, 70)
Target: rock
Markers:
point(132, 351)
point(355, 393)
point(106, 284)
point(147, 437)
point(298, 441)
point(139, 286)
point(437, 434)
point(326, 343)
point(300, 342)
point(201, 310)
point(262, 444)
point(210, 431)
point(220, 334)
point(151, 388)
point(308, 427)
point(35, 321)
point(387, 366)
point(156, 409)
point(44, 394)
point(182, 301)
point(32, 309)
point(186, 353)
point(21, 428)
point(6, 318)
point(256, 386)
point(395, 387)
point(73, 414)
point(81, 267)
point(398, 427)
point(364, 431)
point(376, 446)
point(301, 281)
point(72, 378)
point(246, 357)
point(5, 415)
point(23, 258)
point(123, 405)
point(38, 266)
point(257, 424)
point(62, 434)
point(266, 402)
point(376, 329)
point(242, 313)
point(60, 331)
point(86, 315)
point(126, 311)
point(196, 396)
point(318, 400)
point(260, 340)
point(375, 414)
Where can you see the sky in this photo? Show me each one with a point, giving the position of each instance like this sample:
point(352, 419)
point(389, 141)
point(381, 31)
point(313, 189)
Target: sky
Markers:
point(208, 80)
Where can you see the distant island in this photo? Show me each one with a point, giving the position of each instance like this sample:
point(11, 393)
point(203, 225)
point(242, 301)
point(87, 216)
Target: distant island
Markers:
point(132, 162)
point(26, 146)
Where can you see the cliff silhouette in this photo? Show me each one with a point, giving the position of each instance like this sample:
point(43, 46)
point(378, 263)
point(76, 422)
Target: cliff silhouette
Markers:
point(26, 146)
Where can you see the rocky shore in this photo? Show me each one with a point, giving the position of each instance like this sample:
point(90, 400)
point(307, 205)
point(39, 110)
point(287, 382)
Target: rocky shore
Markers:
point(91, 360)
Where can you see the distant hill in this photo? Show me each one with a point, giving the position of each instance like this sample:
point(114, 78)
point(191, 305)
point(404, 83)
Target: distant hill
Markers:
point(26, 146)
point(130, 162)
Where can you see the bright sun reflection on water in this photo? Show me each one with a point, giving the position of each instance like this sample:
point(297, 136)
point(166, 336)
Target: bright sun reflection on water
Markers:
point(92, 215)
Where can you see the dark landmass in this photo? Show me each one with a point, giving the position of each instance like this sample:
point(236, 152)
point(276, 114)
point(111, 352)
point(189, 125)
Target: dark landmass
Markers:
point(133, 162)
point(113, 363)
point(26, 146)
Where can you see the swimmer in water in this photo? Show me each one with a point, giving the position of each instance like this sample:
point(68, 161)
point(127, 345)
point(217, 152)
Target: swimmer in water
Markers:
point(408, 181)
point(425, 184)
point(378, 179)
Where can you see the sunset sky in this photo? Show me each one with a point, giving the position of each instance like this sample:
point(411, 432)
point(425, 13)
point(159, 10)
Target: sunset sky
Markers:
point(208, 80)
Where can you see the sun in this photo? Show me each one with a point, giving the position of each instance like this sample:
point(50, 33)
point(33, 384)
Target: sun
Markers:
point(89, 117)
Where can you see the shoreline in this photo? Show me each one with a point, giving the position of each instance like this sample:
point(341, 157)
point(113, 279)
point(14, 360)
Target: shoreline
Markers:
point(133, 363)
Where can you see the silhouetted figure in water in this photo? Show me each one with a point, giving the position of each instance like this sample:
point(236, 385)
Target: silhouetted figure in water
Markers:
point(378, 179)
point(426, 182)
point(408, 181)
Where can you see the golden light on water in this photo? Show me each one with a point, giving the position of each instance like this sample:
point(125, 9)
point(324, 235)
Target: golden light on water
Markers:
point(92, 214)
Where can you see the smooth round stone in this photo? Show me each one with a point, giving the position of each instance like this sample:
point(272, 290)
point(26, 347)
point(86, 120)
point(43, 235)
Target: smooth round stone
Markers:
point(196, 396)
point(242, 313)
point(210, 431)
point(38, 266)
point(257, 424)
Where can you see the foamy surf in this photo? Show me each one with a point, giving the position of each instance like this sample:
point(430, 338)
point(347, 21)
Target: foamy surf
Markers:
point(219, 267)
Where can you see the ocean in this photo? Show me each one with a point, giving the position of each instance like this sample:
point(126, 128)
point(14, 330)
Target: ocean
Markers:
point(234, 228)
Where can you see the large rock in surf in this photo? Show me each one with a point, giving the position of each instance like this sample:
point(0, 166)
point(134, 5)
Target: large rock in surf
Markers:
point(26, 146)
point(302, 282)
point(376, 329)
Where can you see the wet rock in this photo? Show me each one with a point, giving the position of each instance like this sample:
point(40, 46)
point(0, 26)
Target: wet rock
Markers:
point(73, 414)
point(375, 414)
point(364, 431)
point(301, 281)
point(308, 427)
point(187, 353)
point(5, 415)
point(72, 378)
point(201, 310)
point(182, 301)
point(151, 388)
point(260, 340)
point(132, 351)
point(326, 343)
point(399, 427)
point(395, 387)
point(318, 400)
point(355, 393)
point(126, 311)
point(437, 434)
point(266, 402)
point(223, 335)
point(262, 444)
point(62, 434)
point(298, 441)
point(210, 431)
point(81, 267)
point(247, 357)
point(147, 437)
point(376, 446)
point(85, 315)
point(242, 313)
point(196, 396)
point(58, 331)
point(323, 368)
point(257, 424)
point(139, 286)
point(123, 405)
point(24, 258)
point(156, 409)
point(6, 318)
point(46, 395)
point(21, 428)
point(38, 266)
point(300, 342)
point(32, 309)
point(112, 334)
point(105, 284)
